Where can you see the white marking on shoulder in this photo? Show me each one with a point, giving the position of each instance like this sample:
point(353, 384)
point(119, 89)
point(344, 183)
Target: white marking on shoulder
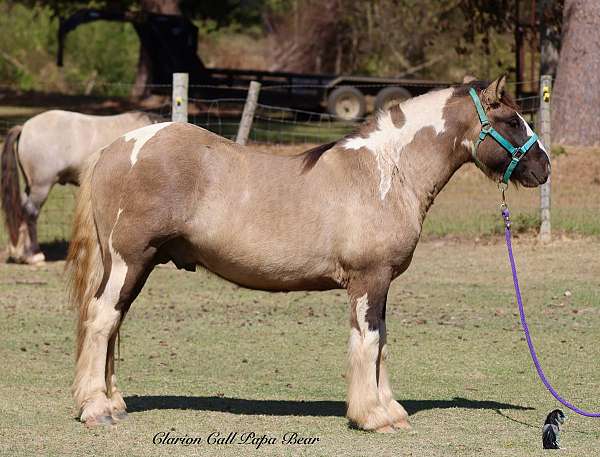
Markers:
point(530, 133)
point(141, 136)
point(388, 141)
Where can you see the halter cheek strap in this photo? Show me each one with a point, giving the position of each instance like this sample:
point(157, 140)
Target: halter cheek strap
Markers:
point(517, 153)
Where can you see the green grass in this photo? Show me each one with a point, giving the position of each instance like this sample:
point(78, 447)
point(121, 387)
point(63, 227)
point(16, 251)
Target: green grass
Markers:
point(201, 355)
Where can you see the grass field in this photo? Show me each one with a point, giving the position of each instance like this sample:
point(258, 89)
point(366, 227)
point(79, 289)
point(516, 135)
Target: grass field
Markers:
point(200, 355)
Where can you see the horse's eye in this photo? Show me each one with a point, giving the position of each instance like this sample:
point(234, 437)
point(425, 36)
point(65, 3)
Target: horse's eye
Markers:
point(513, 123)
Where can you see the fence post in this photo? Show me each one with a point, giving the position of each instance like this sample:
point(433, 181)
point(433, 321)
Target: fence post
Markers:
point(544, 123)
point(179, 105)
point(248, 113)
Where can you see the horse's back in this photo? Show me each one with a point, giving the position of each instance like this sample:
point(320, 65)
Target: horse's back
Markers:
point(55, 144)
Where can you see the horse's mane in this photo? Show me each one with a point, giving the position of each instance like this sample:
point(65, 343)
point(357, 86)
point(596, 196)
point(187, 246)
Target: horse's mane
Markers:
point(312, 156)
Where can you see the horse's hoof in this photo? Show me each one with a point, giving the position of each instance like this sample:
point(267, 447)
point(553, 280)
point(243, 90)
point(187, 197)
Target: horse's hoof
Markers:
point(386, 429)
point(120, 415)
point(94, 421)
point(35, 259)
point(403, 424)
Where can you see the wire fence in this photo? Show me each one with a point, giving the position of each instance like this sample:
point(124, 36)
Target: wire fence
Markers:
point(273, 125)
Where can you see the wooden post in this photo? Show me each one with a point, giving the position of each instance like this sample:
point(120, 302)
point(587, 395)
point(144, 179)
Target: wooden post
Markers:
point(545, 136)
point(179, 109)
point(248, 113)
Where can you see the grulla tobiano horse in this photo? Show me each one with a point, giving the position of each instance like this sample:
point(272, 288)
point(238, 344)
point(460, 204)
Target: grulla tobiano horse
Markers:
point(50, 148)
point(346, 215)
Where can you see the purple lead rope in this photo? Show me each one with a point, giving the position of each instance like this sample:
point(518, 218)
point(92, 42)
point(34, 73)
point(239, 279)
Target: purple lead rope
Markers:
point(538, 367)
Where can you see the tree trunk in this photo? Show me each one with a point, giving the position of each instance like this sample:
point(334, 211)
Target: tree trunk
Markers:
point(576, 100)
point(144, 70)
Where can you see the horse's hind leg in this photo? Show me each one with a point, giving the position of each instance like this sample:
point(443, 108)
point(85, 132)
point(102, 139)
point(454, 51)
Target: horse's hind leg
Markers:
point(118, 407)
point(368, 294)
point(89, 387)
point(32, 204)
point(94, 388)
point(134, 281)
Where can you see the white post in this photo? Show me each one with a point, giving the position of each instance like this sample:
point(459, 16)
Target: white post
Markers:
point(248, 113)
point(544, 124)
point(179, 108)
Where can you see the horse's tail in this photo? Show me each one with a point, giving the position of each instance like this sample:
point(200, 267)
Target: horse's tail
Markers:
point(84, 260)
point(9, 184)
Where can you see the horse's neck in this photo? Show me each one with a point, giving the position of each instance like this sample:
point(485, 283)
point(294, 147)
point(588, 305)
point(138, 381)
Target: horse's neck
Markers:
point(423, 179)
point(417, 149)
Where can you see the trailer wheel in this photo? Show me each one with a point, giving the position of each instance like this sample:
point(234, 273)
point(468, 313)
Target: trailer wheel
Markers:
point(390, 96)
point(346, 103)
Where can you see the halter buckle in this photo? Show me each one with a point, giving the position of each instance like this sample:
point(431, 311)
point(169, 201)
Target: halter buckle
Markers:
point(519, 153)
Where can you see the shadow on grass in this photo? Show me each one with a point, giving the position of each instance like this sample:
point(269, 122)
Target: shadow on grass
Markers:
point(55, 250)
point(292, 408)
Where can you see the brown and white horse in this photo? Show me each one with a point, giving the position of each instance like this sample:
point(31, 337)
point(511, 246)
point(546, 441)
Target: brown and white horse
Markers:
point(50, 148)
point(345, 215)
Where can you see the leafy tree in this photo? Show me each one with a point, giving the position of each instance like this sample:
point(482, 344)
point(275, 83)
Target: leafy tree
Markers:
point(223, 12)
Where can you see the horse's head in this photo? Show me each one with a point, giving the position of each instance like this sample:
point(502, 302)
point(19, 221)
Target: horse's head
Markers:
point(504, 146)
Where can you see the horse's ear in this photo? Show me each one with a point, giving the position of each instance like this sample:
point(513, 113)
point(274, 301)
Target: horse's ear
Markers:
point(494, 92)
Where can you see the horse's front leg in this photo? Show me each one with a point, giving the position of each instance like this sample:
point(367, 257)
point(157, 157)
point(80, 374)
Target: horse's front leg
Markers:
point(395, 410)
point(370, 402)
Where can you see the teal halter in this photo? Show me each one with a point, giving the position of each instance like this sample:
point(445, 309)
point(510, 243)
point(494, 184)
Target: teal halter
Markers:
point(487, 129)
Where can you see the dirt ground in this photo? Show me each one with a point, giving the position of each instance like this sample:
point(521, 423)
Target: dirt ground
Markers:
point(199, 355)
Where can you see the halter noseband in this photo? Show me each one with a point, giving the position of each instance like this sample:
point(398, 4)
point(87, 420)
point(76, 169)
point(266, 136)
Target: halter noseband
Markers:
point(486, 129)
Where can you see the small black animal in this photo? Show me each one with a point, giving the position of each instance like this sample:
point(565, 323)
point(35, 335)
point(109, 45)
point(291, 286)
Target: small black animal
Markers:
point(551, 430)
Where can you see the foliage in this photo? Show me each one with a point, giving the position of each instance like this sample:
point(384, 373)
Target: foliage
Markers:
point(431, 38)
point(437, 39)
point(99, 55)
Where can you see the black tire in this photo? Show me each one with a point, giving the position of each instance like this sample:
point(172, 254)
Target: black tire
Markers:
point(389, 96)
point(347, 103)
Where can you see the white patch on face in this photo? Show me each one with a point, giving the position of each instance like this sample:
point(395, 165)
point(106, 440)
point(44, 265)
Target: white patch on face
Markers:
point(530, 133)
point(388, 141)
point(141, 136)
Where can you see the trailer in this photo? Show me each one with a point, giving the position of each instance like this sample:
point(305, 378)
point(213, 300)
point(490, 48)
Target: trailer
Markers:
point(347, 98)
